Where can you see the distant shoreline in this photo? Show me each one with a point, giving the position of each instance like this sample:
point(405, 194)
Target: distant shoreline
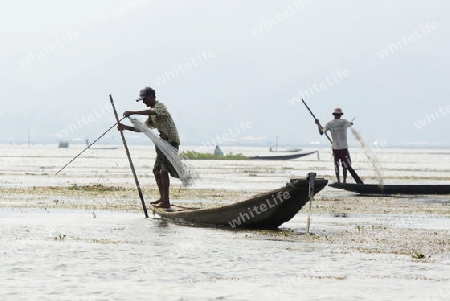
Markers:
point(194, 146)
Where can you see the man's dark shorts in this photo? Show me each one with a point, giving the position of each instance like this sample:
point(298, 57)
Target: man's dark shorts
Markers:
point(162, 163)
point(343, 155)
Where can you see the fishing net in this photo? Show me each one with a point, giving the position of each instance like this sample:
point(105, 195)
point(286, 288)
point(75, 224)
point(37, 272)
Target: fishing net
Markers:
point(187, 176)
point(370, 155)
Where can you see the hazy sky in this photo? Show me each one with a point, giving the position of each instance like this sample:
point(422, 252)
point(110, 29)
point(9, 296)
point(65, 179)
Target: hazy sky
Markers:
point(227, 69)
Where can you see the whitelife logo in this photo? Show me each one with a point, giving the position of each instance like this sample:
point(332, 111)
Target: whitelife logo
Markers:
point(181, 69)
point(84, 120)
point(429, 118)
point(266, 24)
point(252, 212)
point(405, 41)
point(130, 6)
point(316, 88)
point(66, 39)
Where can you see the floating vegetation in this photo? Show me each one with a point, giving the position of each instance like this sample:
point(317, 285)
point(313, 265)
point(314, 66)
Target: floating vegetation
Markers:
point(96, 188)
point(418, 256)
point(340, 214)
point(288, 232)
point(60, 237)
point(193, 155)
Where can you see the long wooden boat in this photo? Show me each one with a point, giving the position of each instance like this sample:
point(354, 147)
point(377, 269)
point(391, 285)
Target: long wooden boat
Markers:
point(263, 211)
point(393, 189)
point(282, 157)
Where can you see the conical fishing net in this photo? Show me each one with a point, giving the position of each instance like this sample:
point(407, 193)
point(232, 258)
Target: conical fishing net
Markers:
point(370, 155)
point(187, 176)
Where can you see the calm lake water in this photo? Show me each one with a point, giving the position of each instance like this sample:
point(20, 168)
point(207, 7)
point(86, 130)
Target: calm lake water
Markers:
point(108, 165)
point(112, 255)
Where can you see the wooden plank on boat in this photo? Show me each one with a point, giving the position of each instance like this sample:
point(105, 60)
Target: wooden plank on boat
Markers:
point(393, 189)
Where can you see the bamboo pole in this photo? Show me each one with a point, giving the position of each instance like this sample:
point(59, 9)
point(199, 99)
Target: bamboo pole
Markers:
point(312, 178)
point(129, 159)
point(312, 114)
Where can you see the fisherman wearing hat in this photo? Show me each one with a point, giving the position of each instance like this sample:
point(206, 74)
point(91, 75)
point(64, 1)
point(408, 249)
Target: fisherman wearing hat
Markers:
point(159, 118)
point(338, 128)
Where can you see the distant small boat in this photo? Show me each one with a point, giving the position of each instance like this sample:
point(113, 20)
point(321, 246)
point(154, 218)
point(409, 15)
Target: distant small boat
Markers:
point(63, 144)
point(263, 211)
point(393, 189)
point(283, 149)
point(283, 157)
point(192, 155)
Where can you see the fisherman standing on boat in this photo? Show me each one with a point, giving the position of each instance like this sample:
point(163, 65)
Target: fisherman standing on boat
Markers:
point(338, 128)
point(159, 118)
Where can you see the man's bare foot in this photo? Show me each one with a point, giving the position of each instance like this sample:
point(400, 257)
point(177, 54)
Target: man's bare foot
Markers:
point(163, 205)
point(156, 202)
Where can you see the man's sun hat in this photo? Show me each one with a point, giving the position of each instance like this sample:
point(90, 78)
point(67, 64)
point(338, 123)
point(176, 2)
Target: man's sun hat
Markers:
point(145, 92)
point(338, 111)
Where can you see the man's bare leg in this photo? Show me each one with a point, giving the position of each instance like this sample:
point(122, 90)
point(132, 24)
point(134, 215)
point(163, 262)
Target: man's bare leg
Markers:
point(157, 174)
point(344, 174)
point(165, 183)
point(336, 170)
point(353, 172)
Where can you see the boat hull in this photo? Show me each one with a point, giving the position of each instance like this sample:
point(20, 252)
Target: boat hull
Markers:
point(393, 189)
point(282, 157)
point(263, 211)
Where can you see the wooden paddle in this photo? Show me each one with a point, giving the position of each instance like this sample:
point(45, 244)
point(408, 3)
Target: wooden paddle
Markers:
point(129, 159)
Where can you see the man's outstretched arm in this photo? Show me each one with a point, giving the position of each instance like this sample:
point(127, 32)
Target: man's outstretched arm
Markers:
point(144, 112)
point(319, 126)
point(124, 127)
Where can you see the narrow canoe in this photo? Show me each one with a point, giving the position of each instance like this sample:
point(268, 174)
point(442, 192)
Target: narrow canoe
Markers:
point(282, 157)
point(284, 150)
point(263, 211)
point(393, 189)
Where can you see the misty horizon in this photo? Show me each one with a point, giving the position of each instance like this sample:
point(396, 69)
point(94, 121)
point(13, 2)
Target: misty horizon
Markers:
point(216, 65)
